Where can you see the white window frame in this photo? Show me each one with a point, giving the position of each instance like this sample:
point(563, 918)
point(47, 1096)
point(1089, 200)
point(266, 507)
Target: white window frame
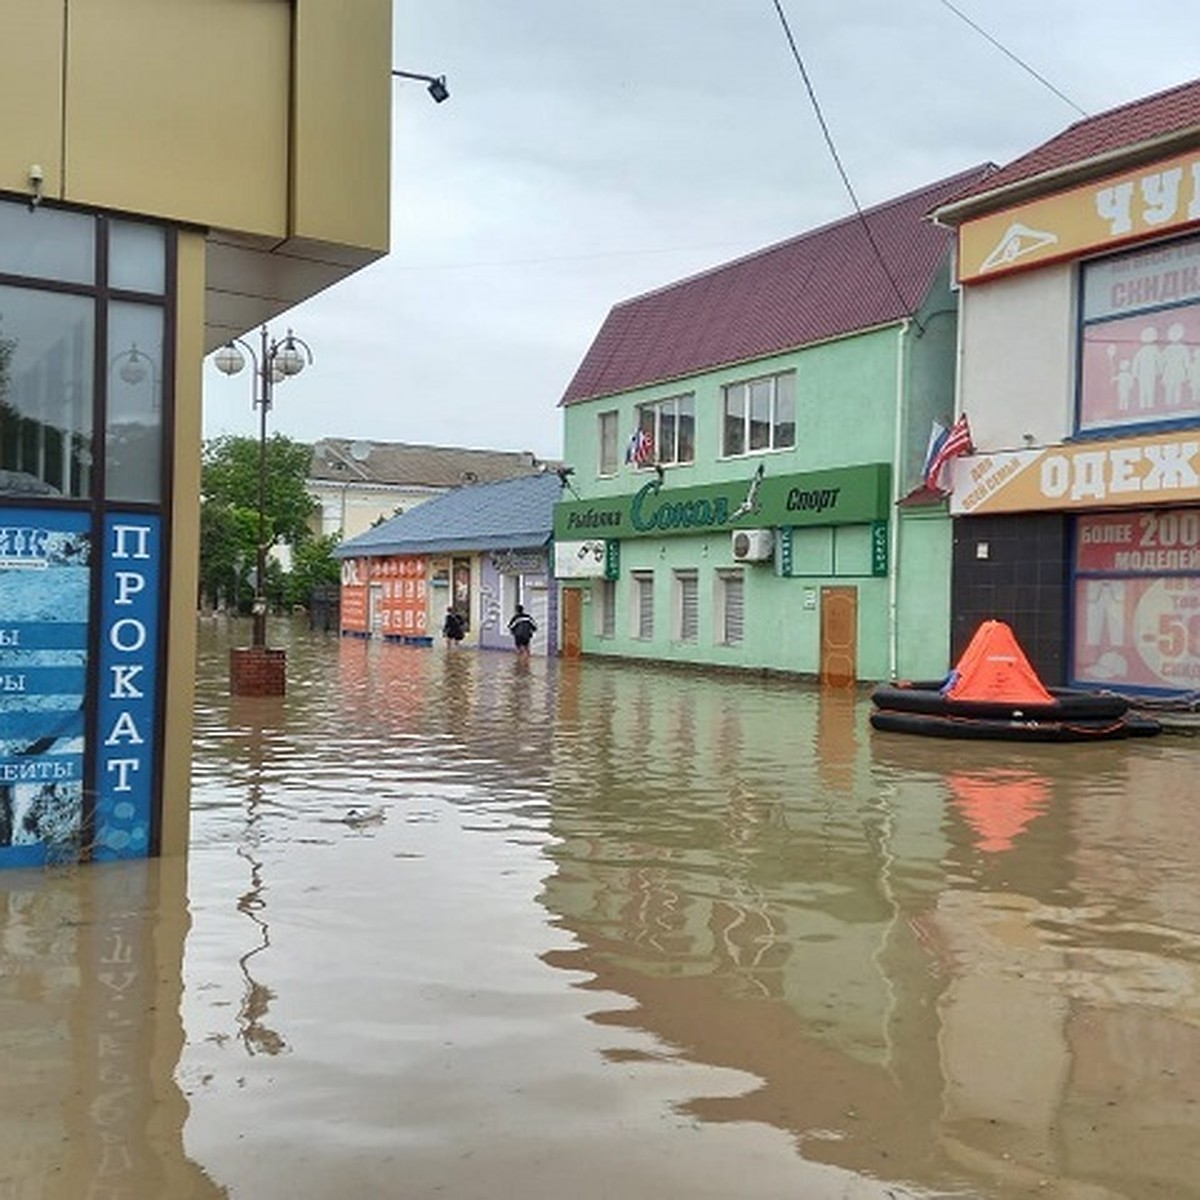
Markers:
point(650, 418)
point(686, 606)
point(730, 626)
point(608, 436)
point(747, 391)
point(605, 593)
point(642, 603)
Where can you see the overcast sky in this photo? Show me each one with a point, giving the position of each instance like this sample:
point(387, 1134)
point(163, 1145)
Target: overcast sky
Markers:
point(591, 151)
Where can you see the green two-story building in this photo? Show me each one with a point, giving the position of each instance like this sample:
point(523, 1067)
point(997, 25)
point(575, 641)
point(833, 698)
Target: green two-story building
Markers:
point(747, 449)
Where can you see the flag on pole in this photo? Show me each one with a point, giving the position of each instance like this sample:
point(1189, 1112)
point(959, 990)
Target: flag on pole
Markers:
point(943, 450)
point(640, 450)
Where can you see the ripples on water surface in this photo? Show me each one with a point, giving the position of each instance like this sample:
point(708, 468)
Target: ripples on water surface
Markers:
point(466, 927)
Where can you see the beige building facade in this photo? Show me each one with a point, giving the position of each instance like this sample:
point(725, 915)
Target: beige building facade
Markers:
point(172, 174)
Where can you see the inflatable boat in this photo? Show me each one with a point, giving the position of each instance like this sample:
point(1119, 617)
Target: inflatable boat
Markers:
point(1014, 729)
point(1065, 704)
point(994, 693)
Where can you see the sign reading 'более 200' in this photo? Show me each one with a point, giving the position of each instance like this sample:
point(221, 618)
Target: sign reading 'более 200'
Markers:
point(842, 496)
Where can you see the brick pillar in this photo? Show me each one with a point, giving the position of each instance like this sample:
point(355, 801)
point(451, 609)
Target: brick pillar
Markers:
point(257, 671)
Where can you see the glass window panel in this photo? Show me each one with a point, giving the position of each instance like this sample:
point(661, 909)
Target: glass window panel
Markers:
point(608, 443)
point(785, 410)
point(687, 429)
point(689, 606)
point(760, 414)
point(137, 257)
point(608, 608)
point(734, 609)
point(644, 611)
point(666, 431)
point(133, 443)
point(47, 244)
point(735, 420)
point(46, 353)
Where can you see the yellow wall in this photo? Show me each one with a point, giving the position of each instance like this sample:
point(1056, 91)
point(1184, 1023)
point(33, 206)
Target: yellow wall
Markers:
point(265, 122)
point(185, 547)
point(31, 95)
point(343, 121)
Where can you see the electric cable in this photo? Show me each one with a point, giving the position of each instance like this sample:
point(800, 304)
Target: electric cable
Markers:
point(910, 311)
point(1019, 61)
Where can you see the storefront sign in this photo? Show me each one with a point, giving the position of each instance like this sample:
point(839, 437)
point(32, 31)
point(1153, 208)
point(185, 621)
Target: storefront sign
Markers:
point(1149, 201)
point(128, 686)
point(580, 560)
point(44, 603)
point(403, 600)
point(843, 496)
point(1159, 542)
point(1138, 632)
point(879, 548)
point(1138, 471)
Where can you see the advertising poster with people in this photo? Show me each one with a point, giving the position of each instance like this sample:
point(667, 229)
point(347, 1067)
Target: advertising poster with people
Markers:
point(44, 603)
point(1137, 599)
point(1141, 338)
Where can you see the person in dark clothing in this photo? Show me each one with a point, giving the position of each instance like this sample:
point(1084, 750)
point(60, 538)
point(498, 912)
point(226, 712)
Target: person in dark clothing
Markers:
point(522, 627)
point(453, 627)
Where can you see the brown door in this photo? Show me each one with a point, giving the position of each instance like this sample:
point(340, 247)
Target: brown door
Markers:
point(572, 622)
point(839, 636)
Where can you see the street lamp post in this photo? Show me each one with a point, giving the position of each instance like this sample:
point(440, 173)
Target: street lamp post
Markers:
point(274, 361)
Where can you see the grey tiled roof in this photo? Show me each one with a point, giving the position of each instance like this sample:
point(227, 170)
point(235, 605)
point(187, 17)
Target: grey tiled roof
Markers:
point(341, 459)
point(511, 514)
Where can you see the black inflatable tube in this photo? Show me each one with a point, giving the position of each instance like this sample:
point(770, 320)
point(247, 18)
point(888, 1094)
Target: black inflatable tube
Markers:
point(1068, 705)
point(929, 725)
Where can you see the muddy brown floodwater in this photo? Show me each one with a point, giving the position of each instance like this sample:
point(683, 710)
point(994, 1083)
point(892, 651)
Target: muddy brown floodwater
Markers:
point(455, 925)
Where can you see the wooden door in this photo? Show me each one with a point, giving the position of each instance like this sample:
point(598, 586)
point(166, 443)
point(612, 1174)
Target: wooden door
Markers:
point(572, 622)
point(839, 636)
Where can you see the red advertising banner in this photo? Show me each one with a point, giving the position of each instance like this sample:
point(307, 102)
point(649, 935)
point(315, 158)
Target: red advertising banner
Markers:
point(1158, 542)
point(404, 595)
point(1138, 632)
point(354, 595)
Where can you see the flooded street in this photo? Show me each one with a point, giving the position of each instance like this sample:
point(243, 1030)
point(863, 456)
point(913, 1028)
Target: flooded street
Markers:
point(457, 925)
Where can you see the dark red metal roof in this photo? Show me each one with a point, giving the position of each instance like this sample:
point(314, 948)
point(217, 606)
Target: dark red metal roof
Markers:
point(822, 284)
point(1125, 128)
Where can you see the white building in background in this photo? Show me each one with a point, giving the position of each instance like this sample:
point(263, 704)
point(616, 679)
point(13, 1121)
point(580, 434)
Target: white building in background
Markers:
point(357, 483)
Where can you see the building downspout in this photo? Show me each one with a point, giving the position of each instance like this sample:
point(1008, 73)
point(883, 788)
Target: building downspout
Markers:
point(893, 590)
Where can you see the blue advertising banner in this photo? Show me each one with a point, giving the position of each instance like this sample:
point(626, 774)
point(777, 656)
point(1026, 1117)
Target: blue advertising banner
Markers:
point(45, 582)
point(125, 749)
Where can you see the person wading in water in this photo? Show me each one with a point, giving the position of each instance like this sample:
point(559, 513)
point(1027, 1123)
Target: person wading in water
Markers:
point(522, 627)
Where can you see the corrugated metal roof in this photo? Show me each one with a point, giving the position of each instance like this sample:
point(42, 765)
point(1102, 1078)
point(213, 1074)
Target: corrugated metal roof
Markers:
point(339, 459)
point(820, 285)
point(1141, 122)
point(511, 514)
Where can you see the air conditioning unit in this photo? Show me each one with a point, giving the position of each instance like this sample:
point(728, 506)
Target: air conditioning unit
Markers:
point(752, 545)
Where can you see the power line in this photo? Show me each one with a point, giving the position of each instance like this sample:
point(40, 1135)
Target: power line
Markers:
point(812, 95)
point(1019, 61)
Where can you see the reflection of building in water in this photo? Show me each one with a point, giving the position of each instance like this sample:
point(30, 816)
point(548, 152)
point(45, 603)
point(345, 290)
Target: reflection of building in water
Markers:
point(917, 1001)
point(90, 990)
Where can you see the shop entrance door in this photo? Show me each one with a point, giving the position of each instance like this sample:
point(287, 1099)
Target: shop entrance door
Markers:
point(839, 636)
point(572, 622)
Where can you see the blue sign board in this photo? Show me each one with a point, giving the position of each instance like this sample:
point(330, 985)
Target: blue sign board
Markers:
point(126, 727)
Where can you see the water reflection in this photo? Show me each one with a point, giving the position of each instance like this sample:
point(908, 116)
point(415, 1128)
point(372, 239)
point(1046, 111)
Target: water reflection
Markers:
point(90, 993)
point(594, 929)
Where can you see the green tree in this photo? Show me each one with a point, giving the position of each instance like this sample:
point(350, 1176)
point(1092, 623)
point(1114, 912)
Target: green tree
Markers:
point(313, 566)
point(229, 513)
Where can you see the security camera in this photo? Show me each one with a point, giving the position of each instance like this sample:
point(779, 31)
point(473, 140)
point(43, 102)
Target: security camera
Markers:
point(36, 174)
